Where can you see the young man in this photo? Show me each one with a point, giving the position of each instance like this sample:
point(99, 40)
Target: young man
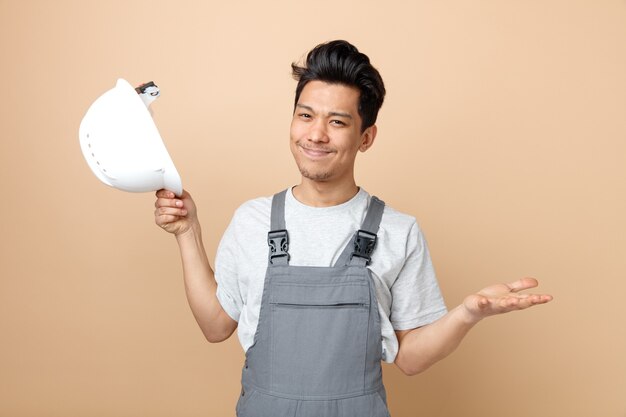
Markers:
point(323, 280)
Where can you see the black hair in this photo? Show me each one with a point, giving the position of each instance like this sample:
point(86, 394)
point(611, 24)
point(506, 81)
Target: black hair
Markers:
point(339, 62)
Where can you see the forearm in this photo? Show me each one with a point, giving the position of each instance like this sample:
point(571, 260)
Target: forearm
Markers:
point(422, 347)
point(201, 287)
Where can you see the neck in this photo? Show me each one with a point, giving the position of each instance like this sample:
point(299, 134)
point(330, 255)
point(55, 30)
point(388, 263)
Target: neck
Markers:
point(324, 194)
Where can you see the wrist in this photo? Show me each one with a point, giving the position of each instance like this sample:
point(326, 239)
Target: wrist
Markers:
point(468, 317)
point(194, 232)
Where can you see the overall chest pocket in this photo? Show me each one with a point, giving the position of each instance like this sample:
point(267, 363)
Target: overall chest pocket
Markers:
point(319, 338)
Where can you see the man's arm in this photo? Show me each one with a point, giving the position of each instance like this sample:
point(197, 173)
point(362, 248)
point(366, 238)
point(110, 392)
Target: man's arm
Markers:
point(422, 347)
point(178, 216)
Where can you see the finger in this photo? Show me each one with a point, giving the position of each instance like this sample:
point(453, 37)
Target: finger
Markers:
point(168, 202)
point(522, 284)
point(163, 193)
point(477, 303)
point(533, 297)
point(508, 303)
point(482, 302)
point(527, 302)
point(165, 220)
point(542, 299)
point(531, 300)
point(170, 211)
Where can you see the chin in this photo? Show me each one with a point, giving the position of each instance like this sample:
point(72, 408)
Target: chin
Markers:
point(315, 176)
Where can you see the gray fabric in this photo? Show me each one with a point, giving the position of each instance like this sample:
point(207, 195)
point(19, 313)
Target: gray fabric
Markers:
point(370, 224)
point(316, 350)
point(374, 215)
point(277, 223)
point(406, 285)
point(278, 211)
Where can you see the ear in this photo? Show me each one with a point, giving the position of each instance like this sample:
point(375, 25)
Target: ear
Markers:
point(367, 138)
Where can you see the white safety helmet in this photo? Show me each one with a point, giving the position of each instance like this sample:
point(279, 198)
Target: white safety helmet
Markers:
point(121, 143)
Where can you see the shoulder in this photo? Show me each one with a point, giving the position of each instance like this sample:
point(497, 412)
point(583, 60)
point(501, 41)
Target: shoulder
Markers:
point(249, 224)
point(251, 217)
point(396, 222)
point(399, 231)
point(397, 218)
point(254, 209)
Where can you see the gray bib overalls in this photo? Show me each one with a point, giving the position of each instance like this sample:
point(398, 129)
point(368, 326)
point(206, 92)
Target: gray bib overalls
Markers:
point(317, 347)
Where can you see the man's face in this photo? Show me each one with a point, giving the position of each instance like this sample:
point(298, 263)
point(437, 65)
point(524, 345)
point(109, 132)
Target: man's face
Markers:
point(326, 131)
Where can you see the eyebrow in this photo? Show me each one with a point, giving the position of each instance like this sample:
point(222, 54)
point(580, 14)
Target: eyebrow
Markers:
point(332, 113)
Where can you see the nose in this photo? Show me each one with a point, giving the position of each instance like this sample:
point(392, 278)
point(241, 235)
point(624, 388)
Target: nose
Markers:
point(317, 131)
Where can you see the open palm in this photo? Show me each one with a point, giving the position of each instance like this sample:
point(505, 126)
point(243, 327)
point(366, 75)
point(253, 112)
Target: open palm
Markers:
point(502, 298)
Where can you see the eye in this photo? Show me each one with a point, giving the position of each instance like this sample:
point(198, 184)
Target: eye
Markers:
point(337, 123)
point(305, 117)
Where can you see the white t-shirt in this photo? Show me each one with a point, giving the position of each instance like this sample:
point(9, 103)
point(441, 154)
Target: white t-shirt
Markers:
point(406, 287)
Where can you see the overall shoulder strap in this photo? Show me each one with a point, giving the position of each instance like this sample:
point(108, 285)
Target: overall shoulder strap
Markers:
point(360, 248)
point(277, 238)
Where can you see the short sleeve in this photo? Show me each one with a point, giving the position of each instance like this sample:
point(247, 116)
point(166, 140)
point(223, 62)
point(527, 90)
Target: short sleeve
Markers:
point(416, 297)
point(226, 272)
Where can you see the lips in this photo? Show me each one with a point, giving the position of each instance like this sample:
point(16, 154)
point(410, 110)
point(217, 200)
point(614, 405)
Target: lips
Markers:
point(315, 153)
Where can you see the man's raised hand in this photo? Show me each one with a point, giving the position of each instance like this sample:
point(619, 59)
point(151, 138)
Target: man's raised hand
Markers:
point(503, 298)
point(174, 215)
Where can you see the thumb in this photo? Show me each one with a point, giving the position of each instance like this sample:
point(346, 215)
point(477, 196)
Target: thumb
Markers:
point(476, 303)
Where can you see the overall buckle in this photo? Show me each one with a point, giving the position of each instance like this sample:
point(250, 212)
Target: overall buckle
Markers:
point(364, 243)
point(278, 240)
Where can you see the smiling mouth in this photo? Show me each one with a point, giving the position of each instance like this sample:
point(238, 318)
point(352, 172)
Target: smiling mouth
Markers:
point(315, 153)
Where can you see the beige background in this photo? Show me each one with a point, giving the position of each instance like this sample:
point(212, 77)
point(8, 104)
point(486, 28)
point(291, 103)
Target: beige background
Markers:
point(503, 133)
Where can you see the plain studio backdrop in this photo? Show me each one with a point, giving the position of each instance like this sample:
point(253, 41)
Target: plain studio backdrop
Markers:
point(503, 132)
